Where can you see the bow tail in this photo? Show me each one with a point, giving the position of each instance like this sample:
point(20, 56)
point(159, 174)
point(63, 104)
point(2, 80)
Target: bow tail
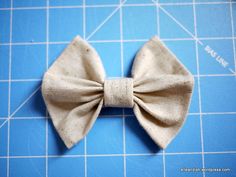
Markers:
point(163, 116)
point(162, 105)
point(159, 133)
point(78, 122)
point(73, 105)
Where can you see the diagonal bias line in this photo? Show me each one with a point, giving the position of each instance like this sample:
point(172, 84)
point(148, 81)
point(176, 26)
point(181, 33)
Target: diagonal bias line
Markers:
point(3, 123)
point(232, 71)
point(106, 19)
point(184, 28)
point(21, 105)
point(177, 22)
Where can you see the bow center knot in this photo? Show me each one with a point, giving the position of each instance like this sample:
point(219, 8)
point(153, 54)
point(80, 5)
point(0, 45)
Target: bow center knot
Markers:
point(118, 92)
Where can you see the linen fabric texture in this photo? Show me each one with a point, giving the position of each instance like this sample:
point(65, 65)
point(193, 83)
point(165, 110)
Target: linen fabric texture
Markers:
point(75, 89)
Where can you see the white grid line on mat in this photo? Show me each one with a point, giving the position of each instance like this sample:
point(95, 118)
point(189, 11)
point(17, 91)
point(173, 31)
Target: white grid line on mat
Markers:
point(122, 73)
point(118, 155)
point(115, 5)
point(124, 40)
point(232, 28)
point(85, 138)
point(9, 91)
point(159, 34)
point(46, 112)
point(116, 115)
point(39, 80)
point(199, 89)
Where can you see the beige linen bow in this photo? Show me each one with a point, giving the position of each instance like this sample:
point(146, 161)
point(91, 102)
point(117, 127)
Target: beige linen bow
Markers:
point(75, 89)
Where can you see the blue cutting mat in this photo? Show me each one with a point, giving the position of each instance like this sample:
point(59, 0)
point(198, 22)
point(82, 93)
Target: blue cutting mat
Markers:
point(201, 33)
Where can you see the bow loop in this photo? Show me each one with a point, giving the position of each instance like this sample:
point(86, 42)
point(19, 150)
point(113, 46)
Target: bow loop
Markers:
point(162, 91)
point(73, 90)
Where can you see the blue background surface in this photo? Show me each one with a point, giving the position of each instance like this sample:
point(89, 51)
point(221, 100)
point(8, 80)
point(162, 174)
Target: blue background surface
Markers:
point(33, 33)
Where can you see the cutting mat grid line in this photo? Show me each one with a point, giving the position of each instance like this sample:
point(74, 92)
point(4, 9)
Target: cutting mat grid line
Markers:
point(46, 112)
point(201, 33)
point(118, 41)
point(199, 89)
point(85, 139)
point(115, 5)
point(159, 34)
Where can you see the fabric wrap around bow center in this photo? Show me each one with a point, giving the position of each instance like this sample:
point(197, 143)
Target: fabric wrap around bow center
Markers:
point(75, 89)
point(118, 93)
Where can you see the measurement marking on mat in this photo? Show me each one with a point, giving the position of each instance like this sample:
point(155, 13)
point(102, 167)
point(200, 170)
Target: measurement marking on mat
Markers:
point(216, 56)
point(207, 49)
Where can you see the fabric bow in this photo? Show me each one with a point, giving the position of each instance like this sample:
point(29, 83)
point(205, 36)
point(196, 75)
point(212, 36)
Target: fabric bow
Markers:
point(75, 89)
